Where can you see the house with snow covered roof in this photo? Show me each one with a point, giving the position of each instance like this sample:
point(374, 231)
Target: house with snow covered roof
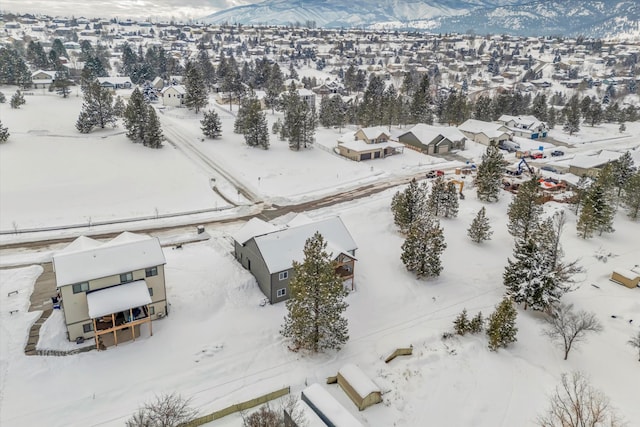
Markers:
point(368, 143)
point(485, 133)
point(591, 164)
point(42, 79)
point(268, 251)
point(114, 83)
point(525, 126)
point(109, 289)
point(173, 96)
point(433, 139)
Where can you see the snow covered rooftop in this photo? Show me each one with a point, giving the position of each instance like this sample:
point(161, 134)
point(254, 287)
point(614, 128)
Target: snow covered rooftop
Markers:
point(479, 126)
point(329, 406)
point(360, 382)
point(375, 131)
point(359, 146)
point(279, 249)
point(85, 259)
point(427, 133)
point(254, 227)
point(178, 88)
point(586, 161)
point(118, 298)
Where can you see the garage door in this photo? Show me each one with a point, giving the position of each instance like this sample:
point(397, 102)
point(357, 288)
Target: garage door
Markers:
point(365, 156)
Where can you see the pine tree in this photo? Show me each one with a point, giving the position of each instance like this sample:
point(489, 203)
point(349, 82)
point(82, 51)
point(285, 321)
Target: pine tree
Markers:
point(423, 247)
point(476, 324)
point(631, 196)
point(571, 113)
point(153, 136)
point(135, 116)
point(17, 99)
point(97, 108)
point(450, 200)
point(3, 98)
point(598, 211)
point(539, 107)
point(488, 178)
point(314, 319)
point(480, 229)
point(461, 323)
point(4, 133)
point(118, 107)
point(622, 170)
point(211, 126)
point(436, 199)
point(420, 109)
point(62, 82)
point(196, 96)
point(482, 110)
point(524, 211)
point(300, 121)
point(501, 325)
point(530, 277)
point(409, 205)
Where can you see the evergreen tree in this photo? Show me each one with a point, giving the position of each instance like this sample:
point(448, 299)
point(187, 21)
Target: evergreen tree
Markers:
point(118, 107)
point(476, 324)
point(211, 126)
point(501, 325)
point(17, 99)
point(300, 120)
point(135, 116)
point(196, 96)
point(369, 111)
point(529, 278)
point(595, 114)
point(551, 117)
point(622, 170)
point(3, 98)
point(62, 82)
point(571, 113)
point(420, 109)
point(480, 229)
point(153, 136)
point(539, 107)
point(4, 133)
point(423, 247)
point(409, 205)
point(597, 211)
point(631, 196)
point(488, 178)
point(252, 123)
point(524, 211)
point(436, 199)
point(450, 201)
point(482, 110)
point(97, 108)
point(314, 319)
point(461, 323)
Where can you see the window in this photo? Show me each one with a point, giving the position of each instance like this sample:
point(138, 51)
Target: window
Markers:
point(87, 327)
point(281, 292)
point(283, 275)
point(80, 287)
point(150, 292)
point(126, 277)
point(153, 271)
point(152, 311)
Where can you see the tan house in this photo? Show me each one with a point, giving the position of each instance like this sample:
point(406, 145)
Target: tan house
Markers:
point(433, 139)
point(173, 96)
point(110, 289)
point(360, 388)
point(368, 143)
point(42, 79)
point(627, 278)
point(485, 133)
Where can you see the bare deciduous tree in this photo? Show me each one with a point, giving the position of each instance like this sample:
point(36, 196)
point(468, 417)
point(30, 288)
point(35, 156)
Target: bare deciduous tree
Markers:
point(264, 417)
point(167, 410)
point(635, 342)
point(570, 327)
point(577, 404)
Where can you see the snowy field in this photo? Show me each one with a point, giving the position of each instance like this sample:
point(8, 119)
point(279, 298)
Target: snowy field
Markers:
point(219, 346)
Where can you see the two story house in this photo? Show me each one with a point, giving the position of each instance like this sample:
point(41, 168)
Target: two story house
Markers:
point(368, 143)
point(268, 252)
point(109, 289)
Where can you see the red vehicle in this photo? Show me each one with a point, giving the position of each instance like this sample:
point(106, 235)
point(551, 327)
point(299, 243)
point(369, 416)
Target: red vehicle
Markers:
point(433, 174)
point(536, 155)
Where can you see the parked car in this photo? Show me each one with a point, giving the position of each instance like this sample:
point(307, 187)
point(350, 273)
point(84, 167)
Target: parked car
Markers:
point(433, 174)
point(556, 153)
point(536, 155)
point(549, 169)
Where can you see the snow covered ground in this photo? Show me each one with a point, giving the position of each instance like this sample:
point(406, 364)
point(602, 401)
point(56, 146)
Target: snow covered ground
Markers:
point(218, 346)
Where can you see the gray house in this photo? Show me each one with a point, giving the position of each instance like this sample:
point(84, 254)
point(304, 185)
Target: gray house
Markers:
point(433, 139)
point(268, 251)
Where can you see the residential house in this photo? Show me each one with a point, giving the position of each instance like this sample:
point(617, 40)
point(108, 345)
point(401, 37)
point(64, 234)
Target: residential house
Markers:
point(109, 289)
point(525, 126)
point(485, 133)
point(158, 83)
point(115, 83)
point(173, 96)
point(42, 79)
point(268, 252)
point(590, 165)
point(368, 143)
point(433, 139)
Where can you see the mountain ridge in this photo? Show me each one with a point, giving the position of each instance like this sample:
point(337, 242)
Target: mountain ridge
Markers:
point(592, 18)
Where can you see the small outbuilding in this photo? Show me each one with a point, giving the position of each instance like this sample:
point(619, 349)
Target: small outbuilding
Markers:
point(360, 388)
point(327, 408)
point(628, 278)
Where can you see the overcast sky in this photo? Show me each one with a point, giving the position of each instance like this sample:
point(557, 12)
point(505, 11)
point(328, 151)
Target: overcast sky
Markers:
point(135, 9)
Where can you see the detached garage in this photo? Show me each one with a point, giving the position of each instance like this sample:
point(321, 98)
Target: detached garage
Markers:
point(360, 388)
point(628, 278)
